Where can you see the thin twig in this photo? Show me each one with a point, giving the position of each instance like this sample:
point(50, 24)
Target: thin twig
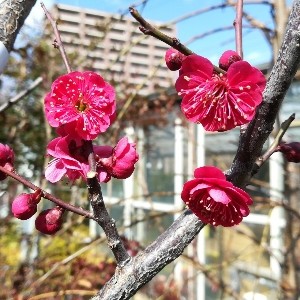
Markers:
point(274, 147)
point(149, 29)
point(238, 25)
point(108, 224)
point(215, 30)
point(57, 42)
point(59, 202)
point(22, 94)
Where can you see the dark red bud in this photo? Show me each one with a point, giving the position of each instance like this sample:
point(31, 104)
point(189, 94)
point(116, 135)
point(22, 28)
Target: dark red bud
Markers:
point(49, 221)
point(174, 59)
point(291, 151)
point(228, 58)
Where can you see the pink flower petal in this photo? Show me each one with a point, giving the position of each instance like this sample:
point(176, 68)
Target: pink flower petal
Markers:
point(55, 170)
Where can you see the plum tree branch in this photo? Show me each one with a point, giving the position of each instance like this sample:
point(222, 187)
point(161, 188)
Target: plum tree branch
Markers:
point(12, 16)
point(282, 74)
point(78, 210)
point(143, 267)
point(170, 244)
point(149, 29)
point(21, 95)
point(102, 217)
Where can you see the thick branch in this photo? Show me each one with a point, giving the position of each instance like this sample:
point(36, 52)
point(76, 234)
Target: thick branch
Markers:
point(283, 72)
point(172, 242)
point(12, 16)
point(142, 268)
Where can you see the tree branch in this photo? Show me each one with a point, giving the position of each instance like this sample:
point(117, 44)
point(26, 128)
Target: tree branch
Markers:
point(149, 29)
point(20, 95)
point(142, 268)
point(282, 74)
point(57, 41)
point(274, 147)
point(102, 217)
point(77, 210)
point(12, 16)
point(170, 244)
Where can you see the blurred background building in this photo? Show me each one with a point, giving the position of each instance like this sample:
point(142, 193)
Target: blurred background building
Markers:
point(112, 44)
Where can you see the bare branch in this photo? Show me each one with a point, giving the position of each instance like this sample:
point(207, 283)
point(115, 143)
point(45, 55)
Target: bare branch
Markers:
point(148, 29)
point(21, 95)
point(12, 16)
point(142, 268)
point(78, 210)
point(57, 42)
point(238, 26)
point(273, 148)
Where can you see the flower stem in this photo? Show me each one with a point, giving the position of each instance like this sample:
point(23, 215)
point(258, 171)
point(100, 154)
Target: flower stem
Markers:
point(57, 42)
point(57, 201)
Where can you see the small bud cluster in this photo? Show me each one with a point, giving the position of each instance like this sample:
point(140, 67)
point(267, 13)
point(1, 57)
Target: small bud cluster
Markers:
point(24, 207)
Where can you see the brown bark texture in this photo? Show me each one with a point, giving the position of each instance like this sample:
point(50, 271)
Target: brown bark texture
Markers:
point(13, 13)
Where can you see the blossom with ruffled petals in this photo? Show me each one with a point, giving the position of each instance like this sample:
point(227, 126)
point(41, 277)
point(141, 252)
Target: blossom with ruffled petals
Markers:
point(71, 159)
point(215, 200)
point(6, 159)
point(219, 101)
point(121, 163)
point(81, 101)
point(24, 206)
point(50, 221)
point(291, 151)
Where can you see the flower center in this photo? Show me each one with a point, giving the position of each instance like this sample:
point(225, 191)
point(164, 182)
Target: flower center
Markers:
point(218, 87)
point(80, 105)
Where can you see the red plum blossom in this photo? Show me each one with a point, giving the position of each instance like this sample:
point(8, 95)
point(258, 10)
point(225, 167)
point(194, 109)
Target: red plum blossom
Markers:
point(215, 200)
point(81, 101)
point(121, 163)
point(291, 151)
point(219, 101)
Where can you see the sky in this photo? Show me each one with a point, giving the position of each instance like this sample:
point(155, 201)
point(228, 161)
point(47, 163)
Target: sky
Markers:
point(256, 49)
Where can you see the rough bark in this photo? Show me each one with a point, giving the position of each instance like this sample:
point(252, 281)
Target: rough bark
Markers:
point(141, 269)
point(12, 16)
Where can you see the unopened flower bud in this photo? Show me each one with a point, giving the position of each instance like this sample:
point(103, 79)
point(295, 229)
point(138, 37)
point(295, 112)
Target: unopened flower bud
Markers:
point(291, 151)
point(49, 221)
point(228, 58)
point(6, 159)
point(121, 163)
point(24, 206)
point(174, 59)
